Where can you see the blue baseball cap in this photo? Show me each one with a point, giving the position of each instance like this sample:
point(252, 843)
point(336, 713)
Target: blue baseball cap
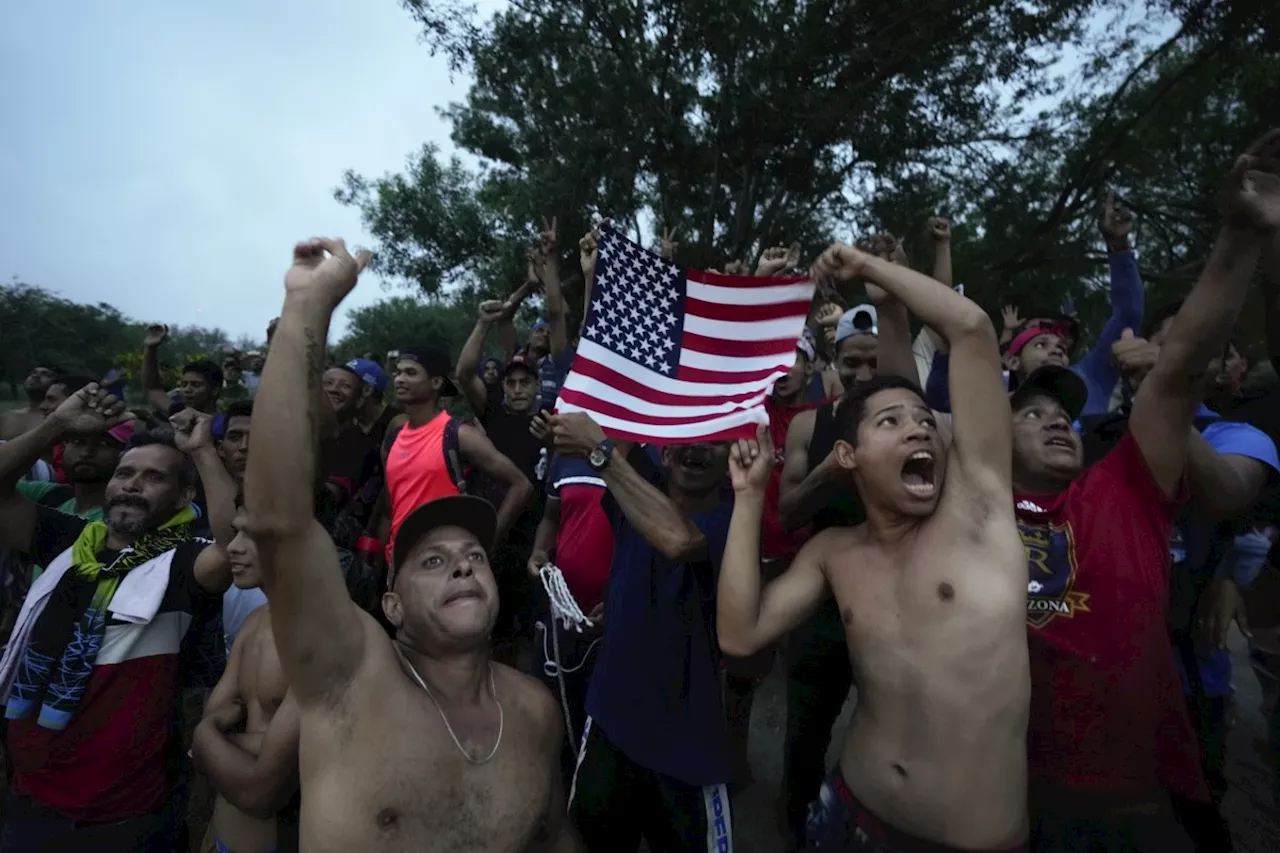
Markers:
point(370, 373)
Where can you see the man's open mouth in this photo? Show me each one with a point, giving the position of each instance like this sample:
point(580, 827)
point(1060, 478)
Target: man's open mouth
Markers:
point(1060, 441)
point(918, 474)
point(462, 595)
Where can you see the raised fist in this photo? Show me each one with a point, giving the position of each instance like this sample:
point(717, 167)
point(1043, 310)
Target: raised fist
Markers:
point(1251, 199)
point(939, 229)
point(323, 269)
point(157, 334)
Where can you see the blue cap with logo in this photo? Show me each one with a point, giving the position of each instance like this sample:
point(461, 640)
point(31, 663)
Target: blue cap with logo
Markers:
point(370, 373)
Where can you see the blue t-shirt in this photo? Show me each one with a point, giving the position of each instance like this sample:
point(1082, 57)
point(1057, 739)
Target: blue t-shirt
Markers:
point(1239, 439)
point(551, 373)
point(655, 692)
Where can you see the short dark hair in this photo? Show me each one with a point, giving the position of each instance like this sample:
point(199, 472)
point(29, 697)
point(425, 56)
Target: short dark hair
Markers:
point(853, 407)
point(187, 477)
point(239, 409)
point(72, 383)
point(206, 368)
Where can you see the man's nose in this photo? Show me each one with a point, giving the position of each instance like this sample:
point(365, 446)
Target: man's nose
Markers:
point(463, 569)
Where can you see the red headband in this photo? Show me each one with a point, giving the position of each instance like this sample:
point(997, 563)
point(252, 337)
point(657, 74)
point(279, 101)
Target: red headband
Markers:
point(1032, 332)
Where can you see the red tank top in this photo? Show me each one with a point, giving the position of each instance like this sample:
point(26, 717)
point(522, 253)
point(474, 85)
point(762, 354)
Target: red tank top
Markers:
point(417, 471)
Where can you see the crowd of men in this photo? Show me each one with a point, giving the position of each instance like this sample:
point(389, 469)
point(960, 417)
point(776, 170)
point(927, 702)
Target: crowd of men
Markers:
point(340, 603)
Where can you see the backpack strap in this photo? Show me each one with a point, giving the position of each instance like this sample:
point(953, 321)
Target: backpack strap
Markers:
point(453, 454)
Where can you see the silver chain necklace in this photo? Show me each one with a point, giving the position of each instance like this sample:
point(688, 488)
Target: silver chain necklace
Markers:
point(492, 691)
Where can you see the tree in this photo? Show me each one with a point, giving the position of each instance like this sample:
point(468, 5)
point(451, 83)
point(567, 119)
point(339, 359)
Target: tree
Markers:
point(403, 321)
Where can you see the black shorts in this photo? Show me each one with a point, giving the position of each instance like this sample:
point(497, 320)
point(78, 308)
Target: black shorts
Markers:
point(614, 802)
point(837, 821)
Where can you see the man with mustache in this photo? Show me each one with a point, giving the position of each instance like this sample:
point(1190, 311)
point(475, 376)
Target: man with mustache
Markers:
point(416, 742)
point(930, 591)
point(91, 672)
point(656, 731)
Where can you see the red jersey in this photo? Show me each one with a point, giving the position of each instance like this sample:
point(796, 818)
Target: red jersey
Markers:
point(1107, 710)
point(776, 542)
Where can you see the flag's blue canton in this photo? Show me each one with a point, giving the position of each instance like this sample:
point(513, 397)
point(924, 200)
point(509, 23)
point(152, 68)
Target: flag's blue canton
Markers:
point(637, 305)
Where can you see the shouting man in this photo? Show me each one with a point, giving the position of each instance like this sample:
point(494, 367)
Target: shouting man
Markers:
point(931, 591)
point(420, 720)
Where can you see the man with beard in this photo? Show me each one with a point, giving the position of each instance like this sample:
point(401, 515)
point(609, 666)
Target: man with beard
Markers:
point(90, 738)
point(814, 494)
point(507, 426)
point(1111, 746)
point(654, 762)
point(247, 743)
point(930, 590)
point(449, 751)
point(15, 422)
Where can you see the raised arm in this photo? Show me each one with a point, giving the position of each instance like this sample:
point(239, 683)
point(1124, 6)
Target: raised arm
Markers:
point(1225, 485)
point(157, 398)
point(748, 619)
point(1127, 301)
point(1165, 405)
point(488, 313)
point(193, 435)
point(982, 426)
point(549, 273)
point(940, 231)
point(85, 412)
point(649, 511)
point(318, 631)
point(479, 451)
point(802, 493)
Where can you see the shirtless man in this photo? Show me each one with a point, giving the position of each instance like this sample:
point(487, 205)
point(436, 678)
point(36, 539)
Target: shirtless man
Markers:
point(417, 743)
point(255, 772)
point(15, 422)
point(931, 590)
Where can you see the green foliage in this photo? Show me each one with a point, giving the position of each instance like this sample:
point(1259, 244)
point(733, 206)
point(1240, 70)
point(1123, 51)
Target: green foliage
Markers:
point(42, 328)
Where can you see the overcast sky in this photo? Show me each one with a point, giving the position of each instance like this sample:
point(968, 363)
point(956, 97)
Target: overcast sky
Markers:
point(164, 155)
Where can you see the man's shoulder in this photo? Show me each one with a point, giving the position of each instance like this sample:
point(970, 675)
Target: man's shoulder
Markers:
point(529, 694)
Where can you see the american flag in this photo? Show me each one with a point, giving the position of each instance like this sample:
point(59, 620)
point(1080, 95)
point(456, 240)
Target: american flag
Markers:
point(674, 356)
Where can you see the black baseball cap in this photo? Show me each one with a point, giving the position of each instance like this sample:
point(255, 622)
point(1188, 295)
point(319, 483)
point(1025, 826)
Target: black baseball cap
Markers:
point(1060, 383)
point(474, 515)
point(521, 361)
point(436, 362)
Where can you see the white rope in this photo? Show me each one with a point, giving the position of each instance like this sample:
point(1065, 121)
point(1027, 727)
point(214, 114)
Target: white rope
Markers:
point(565, 610)
point(563, 605)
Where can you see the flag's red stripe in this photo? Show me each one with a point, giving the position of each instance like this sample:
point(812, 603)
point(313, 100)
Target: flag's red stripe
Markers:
point(713, 378)
point(715, 396)
point(604, 407)
point(702, 277)
point(724, 348)
point(746, 313)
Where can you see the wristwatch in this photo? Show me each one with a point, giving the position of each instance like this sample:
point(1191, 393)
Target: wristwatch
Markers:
point(600, 456)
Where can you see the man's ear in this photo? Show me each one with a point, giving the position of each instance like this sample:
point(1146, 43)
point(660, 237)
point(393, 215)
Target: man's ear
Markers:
point(392, 609)
point(437, 382)
point(1014, 363)
point(845, 455)
point(187, 496)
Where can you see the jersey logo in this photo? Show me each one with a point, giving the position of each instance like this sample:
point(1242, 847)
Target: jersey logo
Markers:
point(1051, 564)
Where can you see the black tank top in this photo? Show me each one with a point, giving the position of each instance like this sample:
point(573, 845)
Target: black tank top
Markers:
point(845, 507)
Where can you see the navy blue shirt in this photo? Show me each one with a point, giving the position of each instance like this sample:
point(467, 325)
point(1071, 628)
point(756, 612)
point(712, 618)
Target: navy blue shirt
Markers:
point(655, 692)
